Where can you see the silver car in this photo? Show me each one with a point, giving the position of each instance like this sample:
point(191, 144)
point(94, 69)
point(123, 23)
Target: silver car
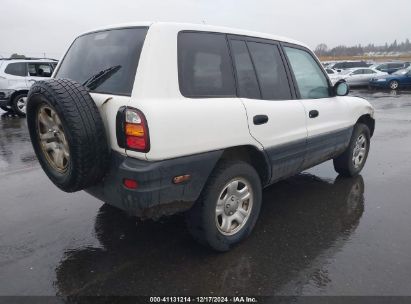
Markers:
point(360, 76)
point(333, 75)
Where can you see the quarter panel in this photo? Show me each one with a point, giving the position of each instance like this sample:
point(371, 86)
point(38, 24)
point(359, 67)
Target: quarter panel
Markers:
point(185, 126)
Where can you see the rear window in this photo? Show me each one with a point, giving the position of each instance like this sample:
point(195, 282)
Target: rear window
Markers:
point(16, 69)
point(395, 65)
point(246, 77)
point(270, 71)
point(117, 51)
point(204, 65)
point(360, 64)
point(338, 65)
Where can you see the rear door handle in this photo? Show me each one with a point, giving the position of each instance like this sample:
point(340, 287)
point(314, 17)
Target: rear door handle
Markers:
point(313, 113)
point(260, 119)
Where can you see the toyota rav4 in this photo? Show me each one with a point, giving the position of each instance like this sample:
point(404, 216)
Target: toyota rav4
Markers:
point(160, 118)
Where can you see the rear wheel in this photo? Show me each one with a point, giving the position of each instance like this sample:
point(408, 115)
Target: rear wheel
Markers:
point(228, 207)
point(394, 84)
point(351, 162)
point(19, 104)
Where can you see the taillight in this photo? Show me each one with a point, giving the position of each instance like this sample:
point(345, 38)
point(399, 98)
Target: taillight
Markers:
point(136, 131)
point(130, 183)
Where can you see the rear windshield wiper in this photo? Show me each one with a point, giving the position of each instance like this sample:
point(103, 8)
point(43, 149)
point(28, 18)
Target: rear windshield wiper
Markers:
point(97, 79)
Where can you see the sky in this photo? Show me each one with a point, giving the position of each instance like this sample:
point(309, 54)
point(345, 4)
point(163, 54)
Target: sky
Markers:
point(49, 26)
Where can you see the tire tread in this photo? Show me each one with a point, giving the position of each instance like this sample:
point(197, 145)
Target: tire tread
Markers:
point(84, 128)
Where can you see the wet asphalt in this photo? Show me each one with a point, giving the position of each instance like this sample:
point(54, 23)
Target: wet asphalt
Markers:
point(318, 234)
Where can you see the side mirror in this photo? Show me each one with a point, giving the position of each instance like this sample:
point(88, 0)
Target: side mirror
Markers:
point(341, 88)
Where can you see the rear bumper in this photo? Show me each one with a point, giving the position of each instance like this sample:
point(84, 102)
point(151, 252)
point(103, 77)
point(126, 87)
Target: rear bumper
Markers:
point(156, 194)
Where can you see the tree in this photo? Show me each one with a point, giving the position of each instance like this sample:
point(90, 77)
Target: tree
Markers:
point(407, 45)
point(321, 49)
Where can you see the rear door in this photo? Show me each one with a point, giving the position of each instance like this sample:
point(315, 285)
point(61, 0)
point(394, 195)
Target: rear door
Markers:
point(276, 118)
point(328, 121)
point(356, 77)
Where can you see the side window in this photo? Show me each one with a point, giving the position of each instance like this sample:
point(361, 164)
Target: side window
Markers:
point(358, 72)
point(270, 71)
point(16, 69)
point(204, 64)
point(311, 81)
point(369, 71)
point(383, 67)
point(40, 69)
point(246, 78)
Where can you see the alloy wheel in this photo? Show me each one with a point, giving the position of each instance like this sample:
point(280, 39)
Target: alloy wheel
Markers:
point(234, 206)
point(360, 150)
point(52, 138)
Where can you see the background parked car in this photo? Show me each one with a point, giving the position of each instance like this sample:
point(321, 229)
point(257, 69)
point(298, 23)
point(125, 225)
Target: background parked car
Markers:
point(390, 67)
point(333, 75)
point(399, 79)
point(360, 76)
point(16, 78)
point(344, 65)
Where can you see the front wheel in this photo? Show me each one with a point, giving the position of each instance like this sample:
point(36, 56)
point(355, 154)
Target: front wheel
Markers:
point(394, 84)
point(351, 162)
point(228, 207)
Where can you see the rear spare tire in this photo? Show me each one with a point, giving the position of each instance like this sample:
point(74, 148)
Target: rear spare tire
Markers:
point(67, 133)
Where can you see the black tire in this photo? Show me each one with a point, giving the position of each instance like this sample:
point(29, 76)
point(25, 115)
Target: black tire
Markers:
point(201, 218)
point(394, 85)
point(15, 106)
point(83, 129)
point(344, 164)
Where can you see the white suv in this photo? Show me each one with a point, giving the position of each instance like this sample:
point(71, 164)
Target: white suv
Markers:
point(16, 78)
point(159, 118)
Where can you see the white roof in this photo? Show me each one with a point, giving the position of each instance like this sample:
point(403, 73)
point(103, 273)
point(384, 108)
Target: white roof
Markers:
point(201, 27)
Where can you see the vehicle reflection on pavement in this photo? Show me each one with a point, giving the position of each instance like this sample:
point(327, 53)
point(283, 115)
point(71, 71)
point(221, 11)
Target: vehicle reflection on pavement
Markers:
point(304, 221)
point(16, 151)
